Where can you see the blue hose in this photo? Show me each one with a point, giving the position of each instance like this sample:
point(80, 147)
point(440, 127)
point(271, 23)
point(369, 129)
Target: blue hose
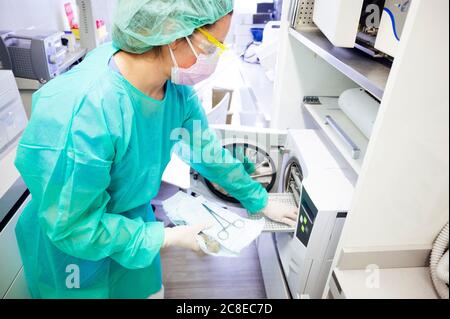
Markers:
point(394, 24)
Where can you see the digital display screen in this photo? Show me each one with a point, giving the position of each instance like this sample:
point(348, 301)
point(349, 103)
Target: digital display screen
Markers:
point(307, 217)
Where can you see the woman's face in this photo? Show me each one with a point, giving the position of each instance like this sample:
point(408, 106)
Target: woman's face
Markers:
point(183, 53)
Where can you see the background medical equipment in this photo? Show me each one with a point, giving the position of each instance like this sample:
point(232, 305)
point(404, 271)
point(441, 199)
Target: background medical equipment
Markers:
point(372, 26)
point(33, 54)
point(439, 261)
point(36, 57)
point(267, 51)
point(13, 192)
point(264, 48)
point(254, 17)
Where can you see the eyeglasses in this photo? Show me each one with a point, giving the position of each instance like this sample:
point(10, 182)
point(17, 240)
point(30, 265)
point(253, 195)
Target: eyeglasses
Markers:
point(212, 44)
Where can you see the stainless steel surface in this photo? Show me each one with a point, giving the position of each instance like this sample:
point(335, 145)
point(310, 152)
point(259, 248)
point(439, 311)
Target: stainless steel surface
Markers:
point(356, 151)
point(367, 50)
point(369, 73)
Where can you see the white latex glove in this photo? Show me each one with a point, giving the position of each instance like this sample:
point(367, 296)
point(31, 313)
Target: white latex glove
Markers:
point(281, 213)
point(184, 237)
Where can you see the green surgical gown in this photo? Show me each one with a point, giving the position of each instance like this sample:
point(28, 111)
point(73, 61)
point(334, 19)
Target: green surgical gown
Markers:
point(92, 157)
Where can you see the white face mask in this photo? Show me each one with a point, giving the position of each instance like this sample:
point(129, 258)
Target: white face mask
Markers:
point(201, 70)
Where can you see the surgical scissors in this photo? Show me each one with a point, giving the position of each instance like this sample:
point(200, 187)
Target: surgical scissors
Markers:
point(224, 234)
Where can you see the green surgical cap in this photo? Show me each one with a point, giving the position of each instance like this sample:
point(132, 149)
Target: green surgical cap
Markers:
point(140, 25)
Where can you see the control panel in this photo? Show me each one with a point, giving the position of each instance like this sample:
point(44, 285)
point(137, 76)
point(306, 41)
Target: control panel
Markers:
point(307, 217)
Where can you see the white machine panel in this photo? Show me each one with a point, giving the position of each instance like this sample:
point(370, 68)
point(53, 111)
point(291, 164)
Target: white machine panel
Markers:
point(338, 20)
point(322, 189)
point(391, 26)
point(309, 147)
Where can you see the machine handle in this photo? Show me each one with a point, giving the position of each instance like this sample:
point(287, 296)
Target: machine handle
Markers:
point(356, 151)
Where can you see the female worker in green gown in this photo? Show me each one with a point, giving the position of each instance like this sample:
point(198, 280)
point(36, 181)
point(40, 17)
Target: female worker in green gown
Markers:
point(97, 145)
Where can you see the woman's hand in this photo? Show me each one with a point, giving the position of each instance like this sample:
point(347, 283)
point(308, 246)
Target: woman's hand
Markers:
point(184, 237)
point(281, 213)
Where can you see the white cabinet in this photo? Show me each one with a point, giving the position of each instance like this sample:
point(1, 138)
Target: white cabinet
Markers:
point(401, 200)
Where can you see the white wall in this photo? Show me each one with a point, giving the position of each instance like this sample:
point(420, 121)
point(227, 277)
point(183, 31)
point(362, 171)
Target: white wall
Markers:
point(18, 14)
point(402, 198)
point(45, 14)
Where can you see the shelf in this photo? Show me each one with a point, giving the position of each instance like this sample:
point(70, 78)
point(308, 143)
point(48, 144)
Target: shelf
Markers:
point(330, 107)
point(369, 73)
